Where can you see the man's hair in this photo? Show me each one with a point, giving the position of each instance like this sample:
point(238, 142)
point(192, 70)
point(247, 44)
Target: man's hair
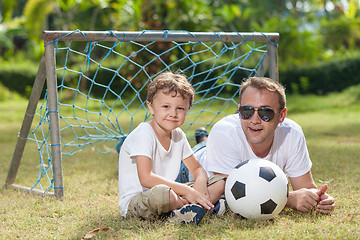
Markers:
point(168, 82)
point(265, 83)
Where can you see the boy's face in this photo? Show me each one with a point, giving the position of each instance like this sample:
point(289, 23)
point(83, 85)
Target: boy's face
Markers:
point(169, 111)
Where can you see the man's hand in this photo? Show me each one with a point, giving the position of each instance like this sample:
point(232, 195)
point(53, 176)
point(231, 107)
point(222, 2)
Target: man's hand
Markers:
point(326, 203)
point(305, 200)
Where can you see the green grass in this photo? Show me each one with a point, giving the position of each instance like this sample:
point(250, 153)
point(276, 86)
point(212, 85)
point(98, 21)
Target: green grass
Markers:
point(332, 128)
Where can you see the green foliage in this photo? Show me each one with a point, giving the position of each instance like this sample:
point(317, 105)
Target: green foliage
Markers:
point(5, 41)
point(35, 12)
point(11, 40)
point(322, 78)
point(6, 94)
point(341, 33)
point(83, 14)
point(293, 50)
point(310, 31)
point(137, 15)
point(7, 8)
point(18, 75)
point(228, 12)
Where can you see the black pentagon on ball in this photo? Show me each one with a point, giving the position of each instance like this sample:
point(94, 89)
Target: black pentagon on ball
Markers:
point(267, 173)
point(238, 190)
point(268, 207)
point(241, 164)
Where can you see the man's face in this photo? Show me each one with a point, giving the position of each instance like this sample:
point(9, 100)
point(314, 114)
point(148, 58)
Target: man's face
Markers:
point(259, 133)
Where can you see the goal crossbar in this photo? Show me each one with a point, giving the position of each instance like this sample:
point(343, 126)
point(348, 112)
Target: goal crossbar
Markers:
point(159, 36)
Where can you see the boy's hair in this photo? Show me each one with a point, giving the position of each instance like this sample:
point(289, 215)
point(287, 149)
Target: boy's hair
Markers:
point(265, 83)
point(168, 82)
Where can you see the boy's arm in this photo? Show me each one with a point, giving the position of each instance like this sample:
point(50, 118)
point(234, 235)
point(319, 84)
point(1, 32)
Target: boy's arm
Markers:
point(199, 174)
point(148, 179)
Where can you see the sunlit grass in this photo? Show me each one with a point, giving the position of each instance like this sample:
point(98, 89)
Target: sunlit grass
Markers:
point(348, 98)
point(332, 128)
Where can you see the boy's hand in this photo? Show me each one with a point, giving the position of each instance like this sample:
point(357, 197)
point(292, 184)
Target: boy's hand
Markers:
point(202, 188)
point(196, 197)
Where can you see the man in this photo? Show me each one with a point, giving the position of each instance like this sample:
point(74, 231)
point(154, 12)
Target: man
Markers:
point(260, 129)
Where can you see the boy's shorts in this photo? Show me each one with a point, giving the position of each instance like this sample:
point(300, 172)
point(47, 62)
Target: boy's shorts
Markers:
point(155, 202)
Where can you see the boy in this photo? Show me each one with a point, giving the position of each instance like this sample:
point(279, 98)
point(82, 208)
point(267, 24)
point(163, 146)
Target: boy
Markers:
point(151, 155)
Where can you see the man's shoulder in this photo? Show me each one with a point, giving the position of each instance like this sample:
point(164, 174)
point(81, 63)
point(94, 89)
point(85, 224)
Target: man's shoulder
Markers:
point(228, 125)
point(290, 125)
point(230, 120)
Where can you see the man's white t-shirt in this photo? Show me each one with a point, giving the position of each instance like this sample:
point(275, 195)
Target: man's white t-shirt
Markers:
point(227, 147)
point(143, 141)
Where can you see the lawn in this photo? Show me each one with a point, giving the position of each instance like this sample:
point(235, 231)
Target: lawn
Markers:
point(332, 128)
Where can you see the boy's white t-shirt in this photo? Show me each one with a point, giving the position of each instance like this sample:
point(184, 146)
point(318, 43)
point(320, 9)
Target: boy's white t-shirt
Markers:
point(227, 147)
point(143, 141)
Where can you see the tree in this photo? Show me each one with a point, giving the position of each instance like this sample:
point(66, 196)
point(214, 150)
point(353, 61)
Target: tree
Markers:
point(309, 29)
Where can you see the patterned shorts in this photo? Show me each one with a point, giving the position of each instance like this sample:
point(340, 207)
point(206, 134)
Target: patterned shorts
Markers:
point(154, 203)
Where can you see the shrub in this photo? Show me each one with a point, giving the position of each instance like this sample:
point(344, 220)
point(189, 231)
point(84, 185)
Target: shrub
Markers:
point(322, 78)
point(18, 77)
point(6, 94)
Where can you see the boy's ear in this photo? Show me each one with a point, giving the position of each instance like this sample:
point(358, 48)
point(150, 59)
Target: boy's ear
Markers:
point(151, 110)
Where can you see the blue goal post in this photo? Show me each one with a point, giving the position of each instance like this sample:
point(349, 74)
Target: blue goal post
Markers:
point(90, 89)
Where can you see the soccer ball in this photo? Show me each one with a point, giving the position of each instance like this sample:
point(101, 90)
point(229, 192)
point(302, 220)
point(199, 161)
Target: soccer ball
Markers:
point(256, 189)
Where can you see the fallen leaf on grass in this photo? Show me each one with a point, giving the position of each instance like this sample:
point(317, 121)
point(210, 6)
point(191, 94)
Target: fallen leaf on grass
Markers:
point(95, 231)
point(107, 199)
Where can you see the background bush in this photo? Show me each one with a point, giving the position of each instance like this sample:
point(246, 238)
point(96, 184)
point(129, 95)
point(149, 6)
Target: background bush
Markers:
point(18, 77)
point(322, 78)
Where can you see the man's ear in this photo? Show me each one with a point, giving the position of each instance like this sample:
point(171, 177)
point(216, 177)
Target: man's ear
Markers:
point(283, 114)
point(151, 110)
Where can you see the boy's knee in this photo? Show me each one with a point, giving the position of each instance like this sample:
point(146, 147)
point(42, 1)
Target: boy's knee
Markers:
point(151, 204)
point(175, 200)
point(159, 198)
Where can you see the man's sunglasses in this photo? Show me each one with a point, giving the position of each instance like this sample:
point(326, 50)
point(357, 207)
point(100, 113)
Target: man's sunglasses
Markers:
point(266, 114)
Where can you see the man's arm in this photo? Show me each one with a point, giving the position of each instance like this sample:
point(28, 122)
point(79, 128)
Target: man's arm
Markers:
point(306, 195)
